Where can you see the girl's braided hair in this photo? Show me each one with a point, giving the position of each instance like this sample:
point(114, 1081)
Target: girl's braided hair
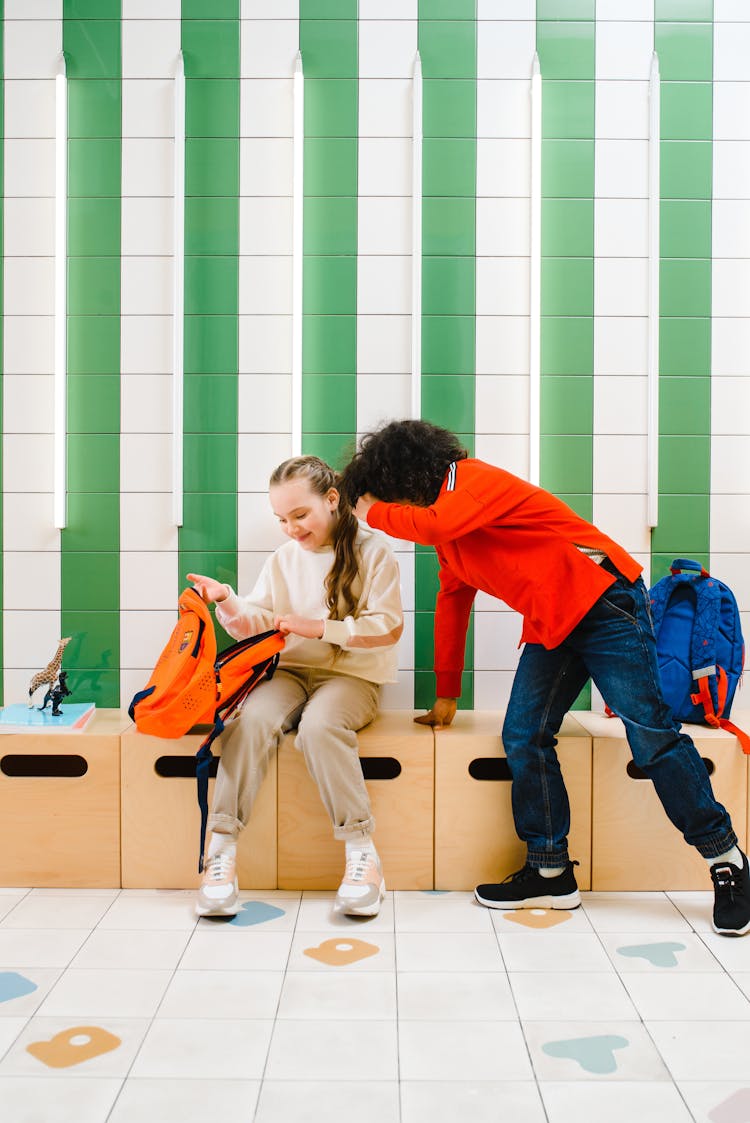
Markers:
point(345, 567)
point(403, 461)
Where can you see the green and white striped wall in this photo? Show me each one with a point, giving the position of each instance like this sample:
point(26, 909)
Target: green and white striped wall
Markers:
point(110, 578)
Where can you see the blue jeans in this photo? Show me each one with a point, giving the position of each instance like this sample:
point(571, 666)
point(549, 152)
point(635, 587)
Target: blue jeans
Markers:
point(614, 645)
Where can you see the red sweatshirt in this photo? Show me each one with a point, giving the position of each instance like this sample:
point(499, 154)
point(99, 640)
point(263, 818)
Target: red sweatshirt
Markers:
point(495, 532)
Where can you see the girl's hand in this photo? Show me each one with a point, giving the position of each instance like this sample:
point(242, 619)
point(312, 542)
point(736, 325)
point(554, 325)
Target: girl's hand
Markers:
point(299, 626)
point(442, 713)
point(363, 506)
point(213, 592)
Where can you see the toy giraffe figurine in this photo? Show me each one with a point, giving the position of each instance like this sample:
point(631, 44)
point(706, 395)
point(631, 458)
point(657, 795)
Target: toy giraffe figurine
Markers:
point(49, 674)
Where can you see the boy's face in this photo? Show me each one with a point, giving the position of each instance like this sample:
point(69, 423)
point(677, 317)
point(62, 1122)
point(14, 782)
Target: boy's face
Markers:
point(304, 515)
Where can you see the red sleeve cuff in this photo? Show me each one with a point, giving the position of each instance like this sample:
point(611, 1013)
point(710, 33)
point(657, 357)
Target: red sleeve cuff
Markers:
point(448, 684)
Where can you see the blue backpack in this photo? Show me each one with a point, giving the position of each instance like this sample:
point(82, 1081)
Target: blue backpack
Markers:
point(699, 645)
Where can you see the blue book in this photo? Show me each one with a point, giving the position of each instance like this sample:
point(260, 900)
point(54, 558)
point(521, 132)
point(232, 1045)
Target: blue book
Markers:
point(20, 719)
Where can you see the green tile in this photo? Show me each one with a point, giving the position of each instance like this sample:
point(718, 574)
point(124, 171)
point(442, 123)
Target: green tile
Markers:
point(212, 166)
point(212, 108)
point(329, 344)
point(91, 684)
point(92, 48)
point(685, 51)
point(683, 10)
point(447, 9)
point(329, 47)
point(330, 226)
point(211, 48)
point(567, 286)
point(210, 344)
point(686, 169)
point(685, 288)
point(449, 402)
point(567, 345)
point(424, 690)
point(96, 638)
point(449, 167)
point(93, 168)
point(91, 9)
point(567, 227)
point(566, 49)
point(448, 227)
point(581, 503)
point(210, 403)
point(329, 403)
point(567, 404)
point(330, 286)
point(210, 462)
point(683, 529)
point(93, 286)
point(449, 108)
point(567, 463)
point(331, 107)
point(94, 462)
point(565, 9)
point(93, 522)
point(93, 403)
point(211, 226)
point(448, 49)
point(211, 285)
point(661, 563)
point(448, 345)
point(426, 580)
point(209, 522)
point(448, 286)
point(685, 347)
point(94, 108)
point(583, 701)
point(328, 9)
point(211, 563)
point(684, 405)
point(90, 582)
point(685, 464)
point(568, 169)
point(210, 9)
point(424, 631)
point(568, 110)
point(686, 111)
point(685, 228)
point(93, 227)
point(94, 344)
point(330, 166)
point(336, 449)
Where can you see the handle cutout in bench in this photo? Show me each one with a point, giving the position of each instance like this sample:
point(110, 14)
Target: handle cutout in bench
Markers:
point(380, 767)
point(636, 773)
point(181, 767)
point(490, 768)
point(28, 764)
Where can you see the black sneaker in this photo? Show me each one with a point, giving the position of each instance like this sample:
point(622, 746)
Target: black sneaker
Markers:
point(731, 898)
point(527, 889)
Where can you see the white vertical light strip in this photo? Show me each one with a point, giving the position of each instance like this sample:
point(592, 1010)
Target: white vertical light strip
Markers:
point(298, 251)
point(178, 292)
point(535, 275)
point(61, 290)
point(654, 138)
point(416, 242)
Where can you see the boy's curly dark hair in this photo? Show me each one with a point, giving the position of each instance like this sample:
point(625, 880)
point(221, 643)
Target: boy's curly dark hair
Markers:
point(403, 460)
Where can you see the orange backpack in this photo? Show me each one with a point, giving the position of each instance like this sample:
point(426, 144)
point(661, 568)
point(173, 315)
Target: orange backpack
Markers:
point(192, 685)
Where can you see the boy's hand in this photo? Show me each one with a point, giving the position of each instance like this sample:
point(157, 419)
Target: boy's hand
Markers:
point(363, 506)
point(442, 713)
point(299, 626)
point(213, 592)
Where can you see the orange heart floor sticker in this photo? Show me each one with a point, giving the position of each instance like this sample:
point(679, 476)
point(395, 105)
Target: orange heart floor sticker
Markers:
point(341, 952)
point(538, 918)
point(74, 1046)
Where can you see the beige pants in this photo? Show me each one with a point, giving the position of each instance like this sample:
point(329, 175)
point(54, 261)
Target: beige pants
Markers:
point(327, 710)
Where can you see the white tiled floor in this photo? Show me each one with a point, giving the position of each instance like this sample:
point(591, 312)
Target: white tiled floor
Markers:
point(628, 1008)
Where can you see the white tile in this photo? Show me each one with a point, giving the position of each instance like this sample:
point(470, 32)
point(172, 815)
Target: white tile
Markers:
point(434, 1101)
point(505, 49)
point(151, 9)
point(510, 452)
point(457, 996)
point(28, 403)
point(729, 459)
point(147, 580)
point(266, 107)
point(506, 9)
point(621, 111)
point(27, 528)
point(502, 227)
point(134, 950)
point(265, 343)
point(313, 995)
point(617, 1102)
point(620, 461)
point(479, 1050)
point(147, 227)
point(454, 912)
point(503, 108)
point(503, 168)
point(147, 106)
point(257, 456)
point(711, 1099)
point(657, 952)
point(624, 50)
point(376, 956)
point(627, 1043)
point(146, 522)
point(146, 403)
point(150, 47)
point(95, 994)
point(26, 1004)
point(55, 912)
point(730, 527)
point(620, 404)
point(731, 110)
point(708, 1050)
point(502, 402)
point(693, 998)
point(42, 9)
point(731, 296)
point(142, 643)
point(623, 517)
point(222, 994)
point(146, 286)
point(316, 915)
point(730, 219)
point(146, 344)
point(146, 462)
point(496, 637)
point(34, 579)
point(502, 286)
point(730, 405)
point(382, 397)
point(492, 689)
point(388, 9)
point(552, 950)
point(240, 950)
point(622, 169)
point(384, 285)
point(68, 1099)
point(621, 286)
point(264, 398)
point(147, 166)
point(502, 345)
point(265, 285)
point(115, 1062)
point(29, 168)
point(221, 1048)
point(29, 226)
point(23, 643)
point(384, 344)
point(399, 695)
point(268, 9)
point(384, 225)
point(32, 47)
point(268, 48)
point(731, 168)
point(730, 343)
point(184, 1101)
point(333, 1050)
point(384, 166)
point(554, 996)
point(616, 10)
point(266, 166)
point(385, 106)
point(429, 951)
point(29, 286)
point(387, 48)
point(298, 1100)
point(621, 227)
point(28, 345)
point(620, 345)
point(174, 912)
point(731, 47)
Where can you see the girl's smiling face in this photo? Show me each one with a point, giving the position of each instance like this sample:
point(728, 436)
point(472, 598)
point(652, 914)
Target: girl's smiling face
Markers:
point(304, 515)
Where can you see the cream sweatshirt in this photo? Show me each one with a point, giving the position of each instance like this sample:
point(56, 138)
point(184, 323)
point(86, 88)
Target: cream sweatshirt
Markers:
point(292, 582)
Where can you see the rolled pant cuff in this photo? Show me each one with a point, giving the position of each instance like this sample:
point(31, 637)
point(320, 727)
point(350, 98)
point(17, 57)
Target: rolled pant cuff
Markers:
point(224, 824)
point(356, 833)
point(543, 860)
point(717, 844)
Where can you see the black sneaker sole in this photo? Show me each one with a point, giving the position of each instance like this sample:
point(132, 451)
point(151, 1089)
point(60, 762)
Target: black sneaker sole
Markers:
point(547, 901)
point(731, 931)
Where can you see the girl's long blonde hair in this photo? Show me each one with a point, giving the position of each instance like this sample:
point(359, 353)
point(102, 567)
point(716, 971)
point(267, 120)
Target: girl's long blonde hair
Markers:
point(340, 599)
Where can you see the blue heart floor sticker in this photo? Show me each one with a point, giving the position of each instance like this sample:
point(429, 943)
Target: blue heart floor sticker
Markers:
point(13, 985)
point(256, 912)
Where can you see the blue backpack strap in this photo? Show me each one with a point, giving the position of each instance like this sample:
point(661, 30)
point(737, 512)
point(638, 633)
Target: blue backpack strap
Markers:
point(703, 642)
point(139, 698)
point(203, 759)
